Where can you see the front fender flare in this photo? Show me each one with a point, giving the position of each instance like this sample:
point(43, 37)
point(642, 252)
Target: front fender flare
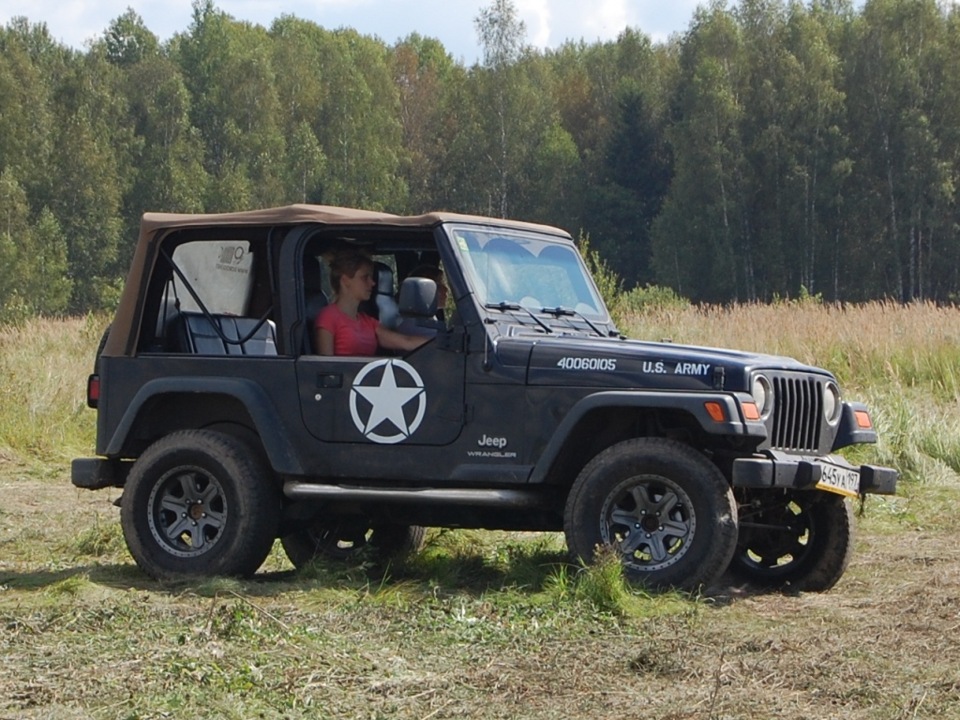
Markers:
point(850, 432)
point(691, 403)
point(254, 398)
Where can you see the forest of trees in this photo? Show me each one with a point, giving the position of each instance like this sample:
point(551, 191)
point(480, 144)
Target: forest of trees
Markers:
point(773, 149)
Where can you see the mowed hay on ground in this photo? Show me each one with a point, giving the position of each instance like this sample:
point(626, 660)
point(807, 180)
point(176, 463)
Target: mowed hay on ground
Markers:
point(84, 634)
point(481, 625)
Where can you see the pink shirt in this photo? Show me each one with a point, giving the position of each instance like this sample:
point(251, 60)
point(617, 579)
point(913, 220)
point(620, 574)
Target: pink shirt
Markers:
point(350, 337)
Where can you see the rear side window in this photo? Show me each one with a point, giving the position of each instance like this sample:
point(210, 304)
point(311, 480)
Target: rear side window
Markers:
point(219, 274)
point(214, 299)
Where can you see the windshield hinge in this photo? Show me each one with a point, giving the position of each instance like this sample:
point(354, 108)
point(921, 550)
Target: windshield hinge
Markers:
point(719, 375)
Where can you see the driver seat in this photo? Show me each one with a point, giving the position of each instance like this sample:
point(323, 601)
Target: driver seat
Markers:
point(387, 309)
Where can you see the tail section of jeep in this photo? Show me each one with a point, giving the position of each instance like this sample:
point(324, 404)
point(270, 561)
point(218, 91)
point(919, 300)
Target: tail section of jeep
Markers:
point(525, 410)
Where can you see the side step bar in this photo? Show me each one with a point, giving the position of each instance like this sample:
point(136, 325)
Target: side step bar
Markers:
point(434, 496)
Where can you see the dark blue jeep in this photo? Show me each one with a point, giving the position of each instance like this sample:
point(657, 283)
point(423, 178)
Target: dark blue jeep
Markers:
point(525, 410)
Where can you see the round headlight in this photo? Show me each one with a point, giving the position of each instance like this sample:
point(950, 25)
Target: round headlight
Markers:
point(762, 394)
point(831, 402)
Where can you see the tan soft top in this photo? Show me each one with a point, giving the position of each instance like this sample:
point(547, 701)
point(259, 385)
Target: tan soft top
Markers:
point(322, 214)
point(154, 226)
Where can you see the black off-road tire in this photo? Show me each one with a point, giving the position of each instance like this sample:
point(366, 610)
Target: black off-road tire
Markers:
point(616, 499)
point(199, 503)
point(349, 539)
point(794, 540)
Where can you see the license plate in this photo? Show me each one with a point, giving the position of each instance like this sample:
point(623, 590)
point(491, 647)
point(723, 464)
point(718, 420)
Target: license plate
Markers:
point(840, 480)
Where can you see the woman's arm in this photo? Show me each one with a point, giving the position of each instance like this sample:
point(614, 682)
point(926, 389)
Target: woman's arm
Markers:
point(324, 341)
point(393, 340)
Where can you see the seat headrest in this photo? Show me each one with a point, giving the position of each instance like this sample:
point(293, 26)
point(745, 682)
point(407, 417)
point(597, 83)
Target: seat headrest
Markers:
point(384, 276)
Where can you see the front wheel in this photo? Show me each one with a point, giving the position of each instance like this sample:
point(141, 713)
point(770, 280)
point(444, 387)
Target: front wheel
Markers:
point(666, 510)
point(799, 540)
point(199, 503)
point(344, 539)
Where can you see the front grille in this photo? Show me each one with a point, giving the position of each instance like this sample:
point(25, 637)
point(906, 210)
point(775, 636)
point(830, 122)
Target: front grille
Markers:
point(797, 412)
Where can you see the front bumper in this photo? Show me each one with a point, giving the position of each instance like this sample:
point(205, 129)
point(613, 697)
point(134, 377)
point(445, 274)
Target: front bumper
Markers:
point(780, 470)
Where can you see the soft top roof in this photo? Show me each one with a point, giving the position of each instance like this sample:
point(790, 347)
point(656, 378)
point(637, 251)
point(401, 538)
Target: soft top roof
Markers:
point(321, 214)
point(154, 226)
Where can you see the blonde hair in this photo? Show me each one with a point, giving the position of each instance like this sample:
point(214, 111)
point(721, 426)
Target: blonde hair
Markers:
point(347, 261)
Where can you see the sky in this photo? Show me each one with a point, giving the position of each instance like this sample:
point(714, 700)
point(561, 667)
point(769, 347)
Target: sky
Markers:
point(548, 22)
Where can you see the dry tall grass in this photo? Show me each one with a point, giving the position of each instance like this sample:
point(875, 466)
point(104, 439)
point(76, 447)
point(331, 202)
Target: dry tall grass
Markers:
point(904, 361)
point(44, 364)
point(864, 345)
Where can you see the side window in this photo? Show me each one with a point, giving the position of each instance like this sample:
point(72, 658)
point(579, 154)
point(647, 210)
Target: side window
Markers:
point(208, 304)
point(219, 275)
point(394, 258)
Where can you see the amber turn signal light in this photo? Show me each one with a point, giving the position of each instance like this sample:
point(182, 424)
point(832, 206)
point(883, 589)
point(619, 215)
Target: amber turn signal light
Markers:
point(715, 411)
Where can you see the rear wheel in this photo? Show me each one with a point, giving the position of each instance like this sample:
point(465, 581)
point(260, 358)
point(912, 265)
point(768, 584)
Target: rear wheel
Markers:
point(344, 539)
point(665, 509)
point(801, 540)
point(199, 503)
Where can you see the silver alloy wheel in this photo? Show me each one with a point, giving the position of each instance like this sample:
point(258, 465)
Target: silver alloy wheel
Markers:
point(187, 511)
point(651, 520)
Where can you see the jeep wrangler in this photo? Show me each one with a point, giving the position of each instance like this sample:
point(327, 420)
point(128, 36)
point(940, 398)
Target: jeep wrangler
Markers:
point(526, 410)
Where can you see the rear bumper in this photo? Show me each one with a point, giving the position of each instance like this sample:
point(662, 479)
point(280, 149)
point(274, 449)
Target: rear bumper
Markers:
point(779, 470)
point(98, 473)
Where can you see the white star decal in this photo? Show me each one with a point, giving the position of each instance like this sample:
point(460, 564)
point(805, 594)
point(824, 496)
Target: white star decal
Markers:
point(387, 401)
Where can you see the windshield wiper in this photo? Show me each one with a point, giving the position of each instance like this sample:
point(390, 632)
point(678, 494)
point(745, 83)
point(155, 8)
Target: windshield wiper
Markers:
point(560, 311)
point(504, 306)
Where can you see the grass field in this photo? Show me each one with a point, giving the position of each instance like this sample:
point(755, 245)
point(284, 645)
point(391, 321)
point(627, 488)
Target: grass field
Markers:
point(483, 624)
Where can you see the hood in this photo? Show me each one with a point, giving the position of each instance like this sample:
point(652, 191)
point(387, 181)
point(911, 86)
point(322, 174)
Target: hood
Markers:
point(616, 363)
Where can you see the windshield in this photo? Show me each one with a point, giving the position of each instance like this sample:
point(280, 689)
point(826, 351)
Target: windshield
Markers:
point(508, 267)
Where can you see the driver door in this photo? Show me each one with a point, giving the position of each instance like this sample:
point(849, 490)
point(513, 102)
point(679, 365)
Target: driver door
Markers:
point(377, 401)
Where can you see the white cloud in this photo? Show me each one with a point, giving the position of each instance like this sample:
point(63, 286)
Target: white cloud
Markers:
point(536, 17)
point(607, 19)
point(552, 22)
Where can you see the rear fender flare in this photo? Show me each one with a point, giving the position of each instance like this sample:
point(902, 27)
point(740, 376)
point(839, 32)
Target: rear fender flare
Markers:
point(252, 396)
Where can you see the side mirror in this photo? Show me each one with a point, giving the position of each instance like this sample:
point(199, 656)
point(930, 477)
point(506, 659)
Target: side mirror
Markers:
point(418, 298)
